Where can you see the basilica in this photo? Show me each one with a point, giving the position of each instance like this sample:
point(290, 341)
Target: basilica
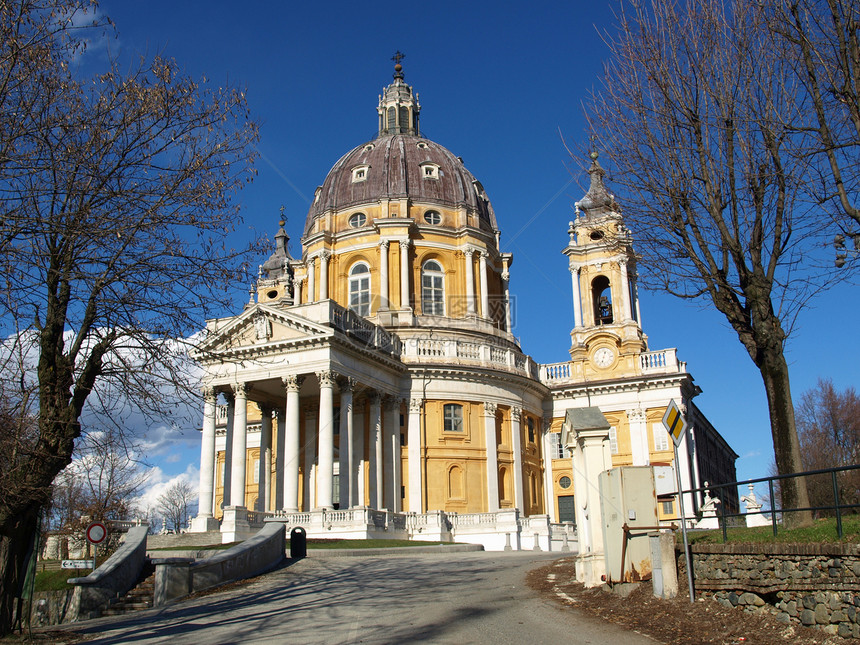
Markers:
point(373, 386)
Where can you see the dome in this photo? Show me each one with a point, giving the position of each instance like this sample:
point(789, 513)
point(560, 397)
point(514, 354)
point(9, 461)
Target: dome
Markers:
point(397, 166)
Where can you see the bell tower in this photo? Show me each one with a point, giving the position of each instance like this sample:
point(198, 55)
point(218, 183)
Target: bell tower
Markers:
point(607, 336)
point(398, 108)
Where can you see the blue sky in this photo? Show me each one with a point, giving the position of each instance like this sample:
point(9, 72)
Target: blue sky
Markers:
point(497, 82)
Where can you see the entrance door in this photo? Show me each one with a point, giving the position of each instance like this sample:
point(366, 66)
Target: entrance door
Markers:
point(566, 508)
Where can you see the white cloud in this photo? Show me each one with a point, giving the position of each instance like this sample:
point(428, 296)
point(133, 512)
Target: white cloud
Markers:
point(159, 482)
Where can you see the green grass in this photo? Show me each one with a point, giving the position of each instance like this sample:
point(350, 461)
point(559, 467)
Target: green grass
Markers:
point(823, 530)
point(56, 580)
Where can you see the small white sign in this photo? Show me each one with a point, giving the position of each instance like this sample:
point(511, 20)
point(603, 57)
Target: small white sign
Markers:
point(77, 564)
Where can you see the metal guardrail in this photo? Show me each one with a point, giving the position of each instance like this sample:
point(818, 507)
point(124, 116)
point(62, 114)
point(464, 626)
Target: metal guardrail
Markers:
point(838, 506)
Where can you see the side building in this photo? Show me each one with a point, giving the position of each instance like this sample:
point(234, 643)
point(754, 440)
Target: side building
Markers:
point(374, 383)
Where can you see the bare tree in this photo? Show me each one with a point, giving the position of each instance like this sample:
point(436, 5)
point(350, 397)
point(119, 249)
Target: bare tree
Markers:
point(101, 483)
point(174, 505)
point(828, 422)
point(116, 200)
point(703, 116)
point(821, 40)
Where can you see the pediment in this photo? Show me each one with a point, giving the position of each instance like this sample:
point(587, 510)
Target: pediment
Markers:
point(260, 327)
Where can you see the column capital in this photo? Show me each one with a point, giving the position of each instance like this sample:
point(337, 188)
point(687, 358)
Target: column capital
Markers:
point(210, 394)
point(241, 389)
point(490, 409)
point(517, 414)
point(383, 244)
point(346, 383)
point(506, 275)
point(293, 382)
point(415, 405)
point(326, 378)
point(405, 244)
point(374, 398)
point(636, 414)
point(484, 254)
point(392, 402)
point(324, 255)
point(468, 250)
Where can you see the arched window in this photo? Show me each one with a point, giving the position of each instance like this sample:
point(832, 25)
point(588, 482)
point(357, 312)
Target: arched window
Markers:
point(432, 289)
point(601, 295)
point(503, 484)
point(455, 483)
point(359, 289)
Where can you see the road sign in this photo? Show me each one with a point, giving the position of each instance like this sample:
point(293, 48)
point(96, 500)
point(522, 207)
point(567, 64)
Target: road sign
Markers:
point(96, 533)
point(674, 422)
point(77, 564)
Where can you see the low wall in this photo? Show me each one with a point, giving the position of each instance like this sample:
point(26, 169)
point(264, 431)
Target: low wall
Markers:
point(178, 577)
point(816, 585)
point(117, 575)
point(184, 540)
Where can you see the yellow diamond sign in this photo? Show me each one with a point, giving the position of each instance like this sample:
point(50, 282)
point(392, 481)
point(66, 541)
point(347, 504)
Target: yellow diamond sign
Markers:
point(674, 422)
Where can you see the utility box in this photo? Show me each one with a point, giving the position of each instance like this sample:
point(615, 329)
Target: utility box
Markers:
point(627, 497)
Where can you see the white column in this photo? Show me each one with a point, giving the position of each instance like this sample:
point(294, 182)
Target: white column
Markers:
point(485, 293)
point(625, 291)
point(346, 477)
point(577, 298)
point(264, 468)
point(404, 274)
point(391, 427)
point(375, 452)
point(292, 384)
point(228, 448)
point(240, 442)
point(297, 291)
point(413, 442)
point(207, 456)
point(546, 458)
point(325, 478)
point(383, 275)
point(506, 276)
point(470, 281)
point(359, 465)
point(312, 261)
point(492, 457)
point(636, 421)
point(324, 257)
point(517, 448)
point(280, 450)
point(310, 493)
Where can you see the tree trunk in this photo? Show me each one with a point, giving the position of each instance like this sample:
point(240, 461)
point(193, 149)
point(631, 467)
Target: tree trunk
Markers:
point(786, 446)
point(14, 548)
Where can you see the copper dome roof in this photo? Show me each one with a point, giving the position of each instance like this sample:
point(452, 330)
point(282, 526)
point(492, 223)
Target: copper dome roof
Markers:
point(396, 167)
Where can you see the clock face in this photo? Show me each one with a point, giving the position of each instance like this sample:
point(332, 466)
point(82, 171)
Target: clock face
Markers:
point(604, 357)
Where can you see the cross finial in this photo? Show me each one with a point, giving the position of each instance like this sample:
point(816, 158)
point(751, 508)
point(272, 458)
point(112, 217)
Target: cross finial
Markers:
point(398, 56)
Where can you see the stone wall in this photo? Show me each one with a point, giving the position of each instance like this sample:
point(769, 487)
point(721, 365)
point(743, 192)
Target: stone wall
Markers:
point(817, 585)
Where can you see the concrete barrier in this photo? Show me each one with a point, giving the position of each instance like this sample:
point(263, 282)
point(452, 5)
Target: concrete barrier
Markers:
point(178, 577)
point(117, 575)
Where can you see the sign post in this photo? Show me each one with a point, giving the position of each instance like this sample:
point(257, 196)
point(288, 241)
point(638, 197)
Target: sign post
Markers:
point(96, 534)
point(676, 426)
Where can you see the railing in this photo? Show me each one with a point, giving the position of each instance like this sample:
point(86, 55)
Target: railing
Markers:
point(123, 526)
point(662, 361)
point(363, 330)
point(844, 496)
point(555, 372)
point(419, 349)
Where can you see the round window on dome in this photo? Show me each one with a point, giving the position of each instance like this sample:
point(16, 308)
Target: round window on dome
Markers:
point(421, 145)
point(564, 482)
point(272, 294)
point(357, 220)
point(433, 217)
point(596, 235)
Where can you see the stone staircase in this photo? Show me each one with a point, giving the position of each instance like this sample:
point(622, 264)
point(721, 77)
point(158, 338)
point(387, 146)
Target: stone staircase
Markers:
point(138, 597)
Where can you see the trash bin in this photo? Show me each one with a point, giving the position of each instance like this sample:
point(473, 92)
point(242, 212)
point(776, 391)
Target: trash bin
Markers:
point(298, 543)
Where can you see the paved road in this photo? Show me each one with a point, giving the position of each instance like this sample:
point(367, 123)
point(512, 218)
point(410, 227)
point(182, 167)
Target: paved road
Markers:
point(462, 598)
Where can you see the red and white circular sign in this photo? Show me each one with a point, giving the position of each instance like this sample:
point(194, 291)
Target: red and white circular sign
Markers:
point(96, 533)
